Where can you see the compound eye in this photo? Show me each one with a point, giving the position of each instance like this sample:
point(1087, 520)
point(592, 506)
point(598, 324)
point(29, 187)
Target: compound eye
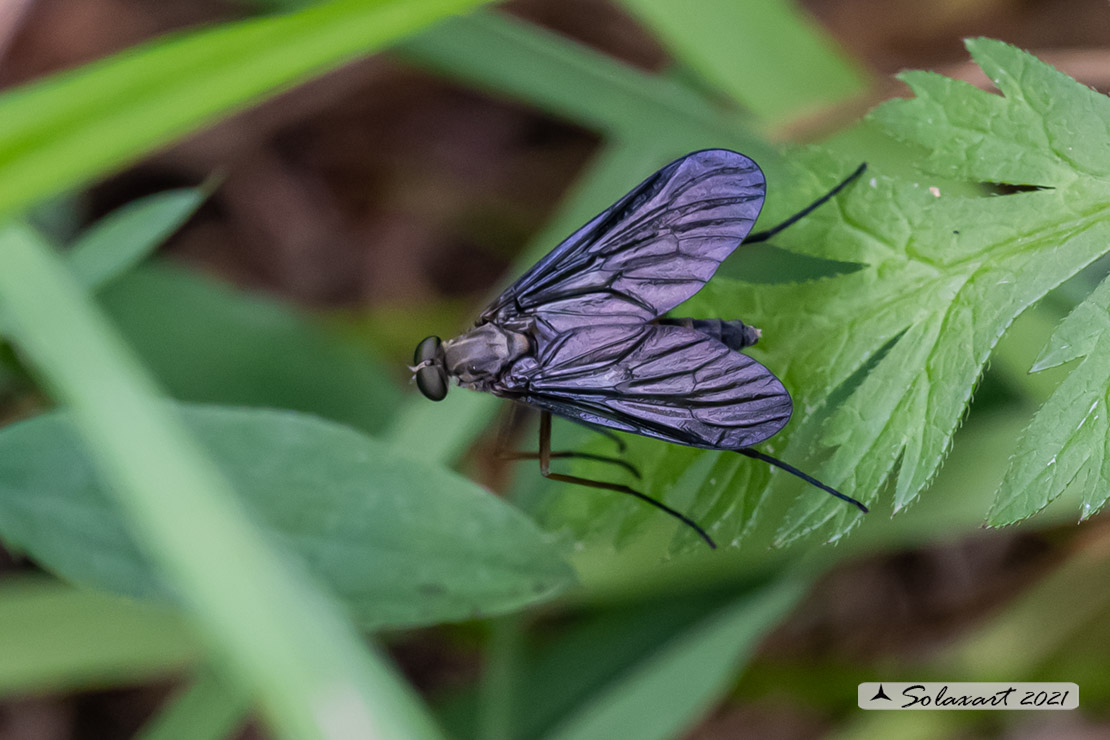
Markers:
point(428, 350)
point(432, 382)
point(431, 378)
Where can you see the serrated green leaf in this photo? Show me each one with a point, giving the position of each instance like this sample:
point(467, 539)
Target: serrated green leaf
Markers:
point(941, 278)
point(1045, 130)
point(123, 238)
point(945, 275)
point(399, 541)
point(1068, 441)
point(1078, 334)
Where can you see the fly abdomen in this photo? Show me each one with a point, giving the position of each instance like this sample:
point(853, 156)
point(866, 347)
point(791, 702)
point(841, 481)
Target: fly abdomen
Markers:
point(735, 334)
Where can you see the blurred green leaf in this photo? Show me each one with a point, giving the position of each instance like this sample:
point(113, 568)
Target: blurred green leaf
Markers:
point(208, 342)
point(274, 631)
point(74, 126)
point(642, 670)
point(54, 637)
point(564, 78)
point(208, 708)
point(443, 432)
point(766, 55)
point(1035, 620)
point(124, 238)
point(402, 542)
point(1067, 441)
point(672, 688)
point(497, 688)
point(1018, 350)
point(677, 678)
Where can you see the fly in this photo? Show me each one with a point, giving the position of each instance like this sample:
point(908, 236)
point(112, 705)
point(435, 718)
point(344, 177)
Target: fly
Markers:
point(580, 335)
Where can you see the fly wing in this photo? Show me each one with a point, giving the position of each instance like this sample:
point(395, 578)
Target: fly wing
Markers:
point(645, 254)
point(668, 382)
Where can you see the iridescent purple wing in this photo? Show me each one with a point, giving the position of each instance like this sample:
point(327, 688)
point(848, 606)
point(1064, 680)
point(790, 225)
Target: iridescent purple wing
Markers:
point(669, 382)
point(645, 254)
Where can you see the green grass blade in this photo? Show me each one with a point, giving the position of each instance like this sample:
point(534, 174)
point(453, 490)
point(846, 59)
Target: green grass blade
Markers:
point(54, 637)
point(122, 239)
point(767, 55)
point(567, 79)
point(209, 709)
point(442, 432)
point(669, 689)
point(277, 634)
point(67, 129)
point(497, 690)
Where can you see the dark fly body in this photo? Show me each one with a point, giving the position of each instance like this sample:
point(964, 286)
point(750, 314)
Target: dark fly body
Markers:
point(580, 335)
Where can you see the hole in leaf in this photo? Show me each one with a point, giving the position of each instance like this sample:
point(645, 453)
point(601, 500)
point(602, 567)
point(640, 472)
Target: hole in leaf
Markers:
point(1002, 188)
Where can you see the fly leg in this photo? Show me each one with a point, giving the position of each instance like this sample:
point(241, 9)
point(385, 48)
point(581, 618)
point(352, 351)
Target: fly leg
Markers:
point(505, 453)
point(520, 455)
point(607, 434)
point(545, 455)
point(762, 236)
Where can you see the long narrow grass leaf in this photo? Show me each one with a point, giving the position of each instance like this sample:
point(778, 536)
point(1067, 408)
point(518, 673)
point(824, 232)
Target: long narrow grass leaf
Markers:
point(276, 633)
point(72, 127)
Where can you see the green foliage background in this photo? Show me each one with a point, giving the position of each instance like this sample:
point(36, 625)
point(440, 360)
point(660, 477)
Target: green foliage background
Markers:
point(292, 497)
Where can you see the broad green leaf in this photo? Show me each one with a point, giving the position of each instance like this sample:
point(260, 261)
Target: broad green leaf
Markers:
point(124, 238)
point(1068, 441)
point(269, 627)
point(208, 342)
point(401, 542)
point(72, 127)
point(900, 343)
point(54, 637)
point(768, 56)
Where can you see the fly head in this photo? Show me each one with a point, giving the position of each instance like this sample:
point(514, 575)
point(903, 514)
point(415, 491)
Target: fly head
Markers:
point(429, 364)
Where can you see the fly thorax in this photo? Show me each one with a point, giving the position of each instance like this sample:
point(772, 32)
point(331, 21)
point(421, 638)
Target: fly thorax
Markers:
point(483, 353)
